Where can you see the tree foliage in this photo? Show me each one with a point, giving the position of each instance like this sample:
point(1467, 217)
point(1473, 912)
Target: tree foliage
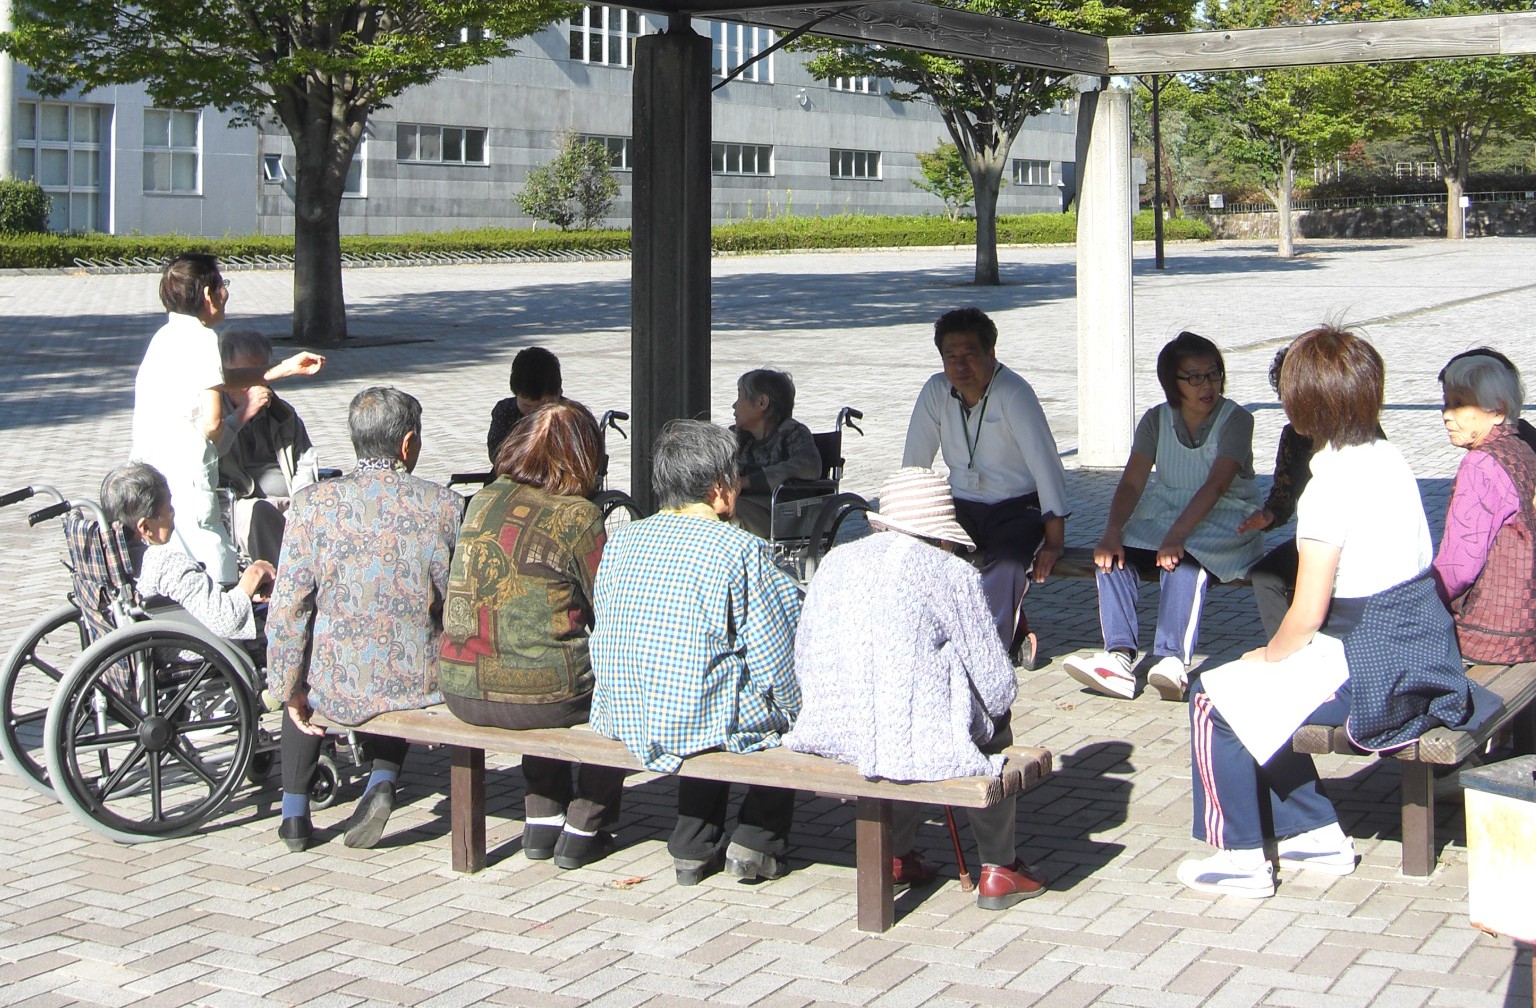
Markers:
point(945, 176)
point(320, 67)
point(576, 188)
point(24, 207)
point(984, 105)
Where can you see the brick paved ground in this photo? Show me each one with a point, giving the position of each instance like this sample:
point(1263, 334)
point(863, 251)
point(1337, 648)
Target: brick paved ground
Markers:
point(227, 918)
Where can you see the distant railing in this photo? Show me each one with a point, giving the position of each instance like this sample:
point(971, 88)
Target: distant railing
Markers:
point(285, 262)
point(1351, 202)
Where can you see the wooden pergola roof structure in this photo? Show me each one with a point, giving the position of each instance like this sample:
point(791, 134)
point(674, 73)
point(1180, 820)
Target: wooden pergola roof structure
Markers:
point(671, 321)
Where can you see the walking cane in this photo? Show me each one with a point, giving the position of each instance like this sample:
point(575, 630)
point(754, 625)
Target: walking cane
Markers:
point(966, 885)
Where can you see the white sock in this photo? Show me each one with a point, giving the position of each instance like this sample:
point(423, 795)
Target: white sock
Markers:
point(547, 820)
point(579, 832)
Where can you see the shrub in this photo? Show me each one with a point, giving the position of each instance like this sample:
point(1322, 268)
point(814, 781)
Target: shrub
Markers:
point(945, 176)
point(23, 207)
point(575, 188)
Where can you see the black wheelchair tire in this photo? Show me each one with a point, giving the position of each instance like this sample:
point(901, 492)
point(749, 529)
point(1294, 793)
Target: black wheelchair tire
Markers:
point(23, 710)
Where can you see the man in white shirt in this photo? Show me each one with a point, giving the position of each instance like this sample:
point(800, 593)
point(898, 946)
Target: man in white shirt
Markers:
point(178, 414)
point(1004, 471)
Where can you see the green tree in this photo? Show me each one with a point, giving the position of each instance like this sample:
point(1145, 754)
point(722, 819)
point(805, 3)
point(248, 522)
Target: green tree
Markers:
point(1455, 107)
point(984, 105)
point(577, 187)
point(1272, 122)
point(24, 207)
point(320, 67)
point(945, 176)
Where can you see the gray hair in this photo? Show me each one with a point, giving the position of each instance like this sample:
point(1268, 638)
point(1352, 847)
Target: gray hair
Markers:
point(690, 459)
point(379, 419)
point(244, 344)
point(1493, 383)
point(778, 386)
point(132, 492)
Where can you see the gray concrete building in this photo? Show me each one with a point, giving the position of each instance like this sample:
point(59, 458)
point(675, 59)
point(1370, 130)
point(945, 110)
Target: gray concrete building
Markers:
point(453, 154)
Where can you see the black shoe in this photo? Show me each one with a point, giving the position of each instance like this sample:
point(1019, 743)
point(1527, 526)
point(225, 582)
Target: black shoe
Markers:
point(295, 832)
point(539, 842)
point(746, 863)
point(366, 826)
point(573, 851)
point(691, 872)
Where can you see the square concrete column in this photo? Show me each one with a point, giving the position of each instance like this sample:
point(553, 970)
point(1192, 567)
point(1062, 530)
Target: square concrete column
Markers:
point(1105, 333)
point(669, 315)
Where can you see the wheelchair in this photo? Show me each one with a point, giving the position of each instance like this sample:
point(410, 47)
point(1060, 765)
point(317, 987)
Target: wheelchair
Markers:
point(806, 517)
point(617, 507)
point(139, 720)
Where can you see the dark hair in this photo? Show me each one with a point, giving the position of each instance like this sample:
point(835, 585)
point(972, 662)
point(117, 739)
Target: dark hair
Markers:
point(133, 492)
point(778, 386)
point(379, 419)
point(1332, 387)
point(535, 374)
point(1274, 369)
point(691, 458)
point(556, 448)
point(244, 344)
point(966, 320)
point(1185, 346)
point(184, 281)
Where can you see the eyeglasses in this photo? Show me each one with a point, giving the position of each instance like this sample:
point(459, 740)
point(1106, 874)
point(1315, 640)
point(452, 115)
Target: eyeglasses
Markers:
point(1197, 379)
point(222, 284)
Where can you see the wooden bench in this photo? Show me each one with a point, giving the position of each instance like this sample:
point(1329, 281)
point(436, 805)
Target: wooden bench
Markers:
point(1514, 685)
point(1025, 768)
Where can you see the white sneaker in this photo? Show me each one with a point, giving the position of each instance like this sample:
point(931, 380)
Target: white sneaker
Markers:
point(1108, 672)
point(1230, 873)
point(1333, 859)
point(1169, 678)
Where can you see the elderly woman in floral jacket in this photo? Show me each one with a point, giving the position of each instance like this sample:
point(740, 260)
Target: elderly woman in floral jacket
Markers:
point(353, 627)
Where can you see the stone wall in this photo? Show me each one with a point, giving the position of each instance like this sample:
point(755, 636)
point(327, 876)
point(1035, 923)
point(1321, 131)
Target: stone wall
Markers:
point(1420, 221)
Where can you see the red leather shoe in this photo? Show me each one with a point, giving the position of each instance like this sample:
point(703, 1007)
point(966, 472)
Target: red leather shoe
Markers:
point(1000, 888)
point(911, 870)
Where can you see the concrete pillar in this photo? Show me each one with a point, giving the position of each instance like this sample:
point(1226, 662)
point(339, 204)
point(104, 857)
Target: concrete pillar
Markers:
point(1105, 333)
point(7, 100)
point(669, 367)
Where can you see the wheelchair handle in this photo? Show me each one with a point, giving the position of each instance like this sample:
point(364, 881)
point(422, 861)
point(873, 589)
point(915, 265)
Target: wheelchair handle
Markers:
point(51, 511)
point(611, 419)
point(846, 417)
point(7, 499)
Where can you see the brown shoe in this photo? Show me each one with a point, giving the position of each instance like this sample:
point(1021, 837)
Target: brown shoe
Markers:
point(1000, 888)
point(910, 870)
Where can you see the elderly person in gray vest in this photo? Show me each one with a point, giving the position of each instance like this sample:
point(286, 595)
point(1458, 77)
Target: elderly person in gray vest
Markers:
point(772, 445)
point(357, 611)
point(903, 675)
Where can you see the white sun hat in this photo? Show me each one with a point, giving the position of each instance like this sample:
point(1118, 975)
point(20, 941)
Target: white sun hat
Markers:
point(917, 501)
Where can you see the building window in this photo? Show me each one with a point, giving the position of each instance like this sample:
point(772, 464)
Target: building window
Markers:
point(856, 85)
point(741, 159)
point(855, 164)
point(356, 184)
point(1031, 172)
point(438, 144)
point(606, 35)
point(735, 44)
point(272, 169)
point(618, 150)
point(170, 151)
point(58, 146)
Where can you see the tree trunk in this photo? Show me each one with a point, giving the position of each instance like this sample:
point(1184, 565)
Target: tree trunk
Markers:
point(1287, 248)
point(988, 180)
point(322, 152)
point(1454, 218)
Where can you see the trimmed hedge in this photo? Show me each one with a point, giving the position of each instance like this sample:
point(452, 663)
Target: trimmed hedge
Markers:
point(47, 251)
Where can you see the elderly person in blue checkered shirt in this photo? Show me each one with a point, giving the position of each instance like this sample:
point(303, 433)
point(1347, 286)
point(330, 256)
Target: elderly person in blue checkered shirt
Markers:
point(693, 650)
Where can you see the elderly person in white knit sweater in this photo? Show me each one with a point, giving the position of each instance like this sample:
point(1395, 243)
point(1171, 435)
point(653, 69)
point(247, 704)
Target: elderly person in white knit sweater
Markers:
point(904, 676)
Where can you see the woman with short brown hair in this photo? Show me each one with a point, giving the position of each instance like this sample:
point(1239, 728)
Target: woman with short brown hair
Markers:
point(519, 610)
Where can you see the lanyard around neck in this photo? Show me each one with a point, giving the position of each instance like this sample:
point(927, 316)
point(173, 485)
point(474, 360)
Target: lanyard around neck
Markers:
point(965, 426)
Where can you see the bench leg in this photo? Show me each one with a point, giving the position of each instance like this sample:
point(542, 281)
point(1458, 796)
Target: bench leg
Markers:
point(467, 802)
point(872, 855)
point(1523, 737)
point(1418, 786)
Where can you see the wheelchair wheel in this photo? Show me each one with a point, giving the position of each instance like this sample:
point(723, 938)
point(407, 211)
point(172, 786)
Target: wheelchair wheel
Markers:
point(150, 732)
point(325, 787)
point(618, 508)
point(28, 680)
point(832, 526)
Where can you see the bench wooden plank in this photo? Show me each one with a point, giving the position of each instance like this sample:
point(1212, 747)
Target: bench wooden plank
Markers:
point(1025, 767)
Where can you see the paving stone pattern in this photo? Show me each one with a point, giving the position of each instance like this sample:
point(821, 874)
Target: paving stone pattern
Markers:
point(229, 919)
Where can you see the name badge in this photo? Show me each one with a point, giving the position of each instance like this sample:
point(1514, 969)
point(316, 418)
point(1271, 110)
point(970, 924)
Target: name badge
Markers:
point(970, 479)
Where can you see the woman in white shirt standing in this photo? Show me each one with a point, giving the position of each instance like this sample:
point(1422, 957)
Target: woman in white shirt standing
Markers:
point(1363, 557)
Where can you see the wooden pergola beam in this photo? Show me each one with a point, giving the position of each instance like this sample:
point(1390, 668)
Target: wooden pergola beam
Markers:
point(1316, 45)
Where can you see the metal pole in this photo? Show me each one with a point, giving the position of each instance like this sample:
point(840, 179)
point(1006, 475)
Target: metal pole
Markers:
point(1157, 172)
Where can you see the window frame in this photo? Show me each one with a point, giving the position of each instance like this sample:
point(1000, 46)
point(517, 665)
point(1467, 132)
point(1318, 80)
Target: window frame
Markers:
point(173, 151)
point(604, 35)
point(721, 155)
point(441, 132)
point(27, 139)
point(858, 163)
point(1024, 170)
point(745, 42)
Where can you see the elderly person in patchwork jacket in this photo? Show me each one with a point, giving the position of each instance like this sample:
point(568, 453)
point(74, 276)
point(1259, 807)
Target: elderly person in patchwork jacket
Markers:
point(903, 674)
point(356, 615)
